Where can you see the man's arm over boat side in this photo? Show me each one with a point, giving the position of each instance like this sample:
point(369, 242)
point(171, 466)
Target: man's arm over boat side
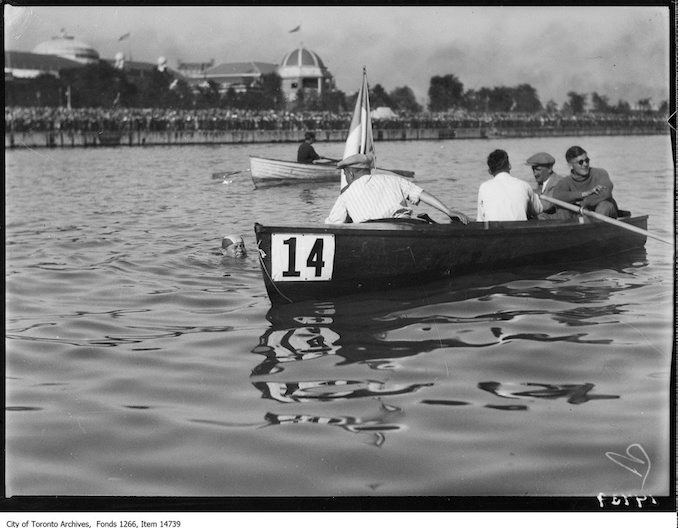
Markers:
point(338, 213)
point(431, 200)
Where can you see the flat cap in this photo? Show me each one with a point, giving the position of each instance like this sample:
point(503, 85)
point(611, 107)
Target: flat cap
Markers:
point(541, 158)
point(357, 161)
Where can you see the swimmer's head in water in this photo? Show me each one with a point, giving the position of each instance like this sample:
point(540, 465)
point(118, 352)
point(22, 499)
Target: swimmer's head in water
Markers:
point(234, 246)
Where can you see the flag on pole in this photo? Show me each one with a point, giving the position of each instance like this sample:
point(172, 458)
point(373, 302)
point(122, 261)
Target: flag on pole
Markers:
point(125, 36)
point(295, 29)
point(360, 140)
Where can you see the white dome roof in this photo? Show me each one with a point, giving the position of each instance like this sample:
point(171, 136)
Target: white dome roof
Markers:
point(302, 62)
point(69, 48)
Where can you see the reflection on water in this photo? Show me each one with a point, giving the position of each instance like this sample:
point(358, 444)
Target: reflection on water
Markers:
point(379, 330)
point(312, 391)
point(574, 393)
point(141, 361)
point(294, 344)
point(376, 426)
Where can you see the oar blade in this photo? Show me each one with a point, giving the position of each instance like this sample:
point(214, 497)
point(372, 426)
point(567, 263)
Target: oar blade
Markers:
point(404, 173)
point(224, 174)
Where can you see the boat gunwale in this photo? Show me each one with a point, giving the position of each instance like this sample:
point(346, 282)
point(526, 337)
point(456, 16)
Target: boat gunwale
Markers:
point(388, 228)
point(288, 162)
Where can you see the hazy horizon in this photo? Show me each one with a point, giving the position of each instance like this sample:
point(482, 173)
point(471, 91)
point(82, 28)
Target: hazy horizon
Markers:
point(619, 52)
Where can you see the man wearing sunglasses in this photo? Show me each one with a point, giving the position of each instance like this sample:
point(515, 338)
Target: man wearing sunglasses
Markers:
point(587, 187)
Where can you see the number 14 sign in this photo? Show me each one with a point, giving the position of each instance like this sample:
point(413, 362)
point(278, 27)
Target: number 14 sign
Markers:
point(296, 257)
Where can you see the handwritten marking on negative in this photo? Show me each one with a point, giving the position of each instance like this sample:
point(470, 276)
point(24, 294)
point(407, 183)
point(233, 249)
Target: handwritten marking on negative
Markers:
point(616, 501)
point(635, 460)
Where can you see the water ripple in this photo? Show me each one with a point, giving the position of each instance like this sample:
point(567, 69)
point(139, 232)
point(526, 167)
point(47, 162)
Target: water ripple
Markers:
point(141, 361)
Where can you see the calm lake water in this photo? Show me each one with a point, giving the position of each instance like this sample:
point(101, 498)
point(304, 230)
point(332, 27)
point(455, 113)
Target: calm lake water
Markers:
point(140, 362)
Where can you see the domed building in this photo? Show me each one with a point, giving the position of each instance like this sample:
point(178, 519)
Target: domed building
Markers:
point(67, 47)
point(303, 69)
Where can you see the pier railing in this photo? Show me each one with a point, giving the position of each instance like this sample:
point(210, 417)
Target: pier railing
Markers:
point(108, 138)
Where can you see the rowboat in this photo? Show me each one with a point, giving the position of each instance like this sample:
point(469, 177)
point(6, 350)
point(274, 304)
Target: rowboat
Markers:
point(267, 172)
point(302, 263)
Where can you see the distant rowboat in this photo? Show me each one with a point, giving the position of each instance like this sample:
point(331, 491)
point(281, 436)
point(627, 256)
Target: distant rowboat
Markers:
point(268, 172)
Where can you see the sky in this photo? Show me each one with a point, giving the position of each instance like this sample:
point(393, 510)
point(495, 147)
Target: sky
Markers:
point(621, 52)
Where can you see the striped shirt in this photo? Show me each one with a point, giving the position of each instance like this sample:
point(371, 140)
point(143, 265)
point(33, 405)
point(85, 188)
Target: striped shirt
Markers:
point(374, 196)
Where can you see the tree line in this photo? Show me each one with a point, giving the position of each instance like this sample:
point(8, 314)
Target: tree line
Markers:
point(103, 86)
point(447, 92)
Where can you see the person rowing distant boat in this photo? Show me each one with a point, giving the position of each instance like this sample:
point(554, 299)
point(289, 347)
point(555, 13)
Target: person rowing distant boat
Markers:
point(306, 153)
point(372, 196)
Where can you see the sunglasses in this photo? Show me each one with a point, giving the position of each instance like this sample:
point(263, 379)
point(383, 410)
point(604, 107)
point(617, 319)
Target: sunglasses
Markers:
point(585, 160)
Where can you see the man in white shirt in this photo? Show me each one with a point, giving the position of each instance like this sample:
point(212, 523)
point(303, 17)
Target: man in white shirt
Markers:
point(373, 196)
point(505, 198)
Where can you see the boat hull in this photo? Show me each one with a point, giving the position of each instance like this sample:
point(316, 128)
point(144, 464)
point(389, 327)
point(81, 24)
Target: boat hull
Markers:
point(301, 263)
point(268, 172)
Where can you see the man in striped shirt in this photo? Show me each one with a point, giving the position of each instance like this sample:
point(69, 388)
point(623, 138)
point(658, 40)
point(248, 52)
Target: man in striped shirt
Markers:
point(373, 196)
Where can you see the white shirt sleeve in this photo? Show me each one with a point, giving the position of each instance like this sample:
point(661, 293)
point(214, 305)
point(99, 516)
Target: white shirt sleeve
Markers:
point(413, 191)
point(338, 213)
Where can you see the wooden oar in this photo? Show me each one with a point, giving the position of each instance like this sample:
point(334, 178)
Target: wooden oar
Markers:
point(602, 218)
point(404, 173)
point(400, 172)
point(221, 175)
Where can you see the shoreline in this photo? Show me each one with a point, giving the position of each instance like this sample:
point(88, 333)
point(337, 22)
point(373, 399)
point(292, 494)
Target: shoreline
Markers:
point(88, 139)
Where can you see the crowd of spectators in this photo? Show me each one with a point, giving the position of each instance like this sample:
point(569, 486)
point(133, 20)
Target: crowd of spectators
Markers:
point(44, 119)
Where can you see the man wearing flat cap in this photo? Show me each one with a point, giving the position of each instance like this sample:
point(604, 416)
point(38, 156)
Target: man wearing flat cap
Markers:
point(542, 169)
point(373, 196)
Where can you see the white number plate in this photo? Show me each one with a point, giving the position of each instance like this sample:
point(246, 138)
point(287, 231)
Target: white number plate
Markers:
point(302, 257)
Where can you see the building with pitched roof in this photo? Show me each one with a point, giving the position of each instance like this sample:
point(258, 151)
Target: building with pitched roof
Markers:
point(27, 65)
point(194, 69)
point(135, 70)
point(241, 76)
point(300, 69)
